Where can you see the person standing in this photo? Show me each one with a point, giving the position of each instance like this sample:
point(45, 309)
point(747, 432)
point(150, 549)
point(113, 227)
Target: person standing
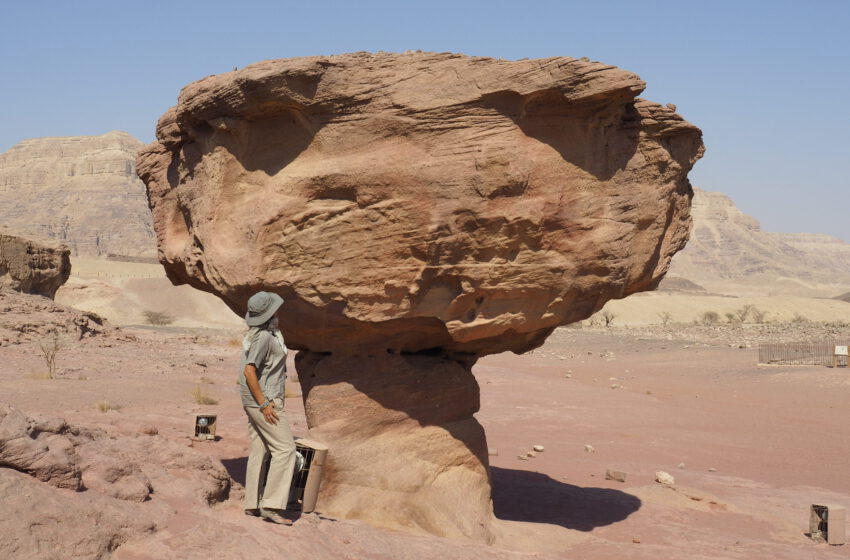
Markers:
point(261, 383)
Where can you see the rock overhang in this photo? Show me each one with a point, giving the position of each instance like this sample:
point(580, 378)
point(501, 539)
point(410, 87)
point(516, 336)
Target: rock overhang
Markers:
point(405, 202)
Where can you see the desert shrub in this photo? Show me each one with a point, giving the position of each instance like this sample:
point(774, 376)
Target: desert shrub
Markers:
point(608, 317)
point(105, 406)
point(744, 312)
point(158, 318)
point(50, 347)
point(758, 315)
point(710, 318)
point(207, 380)
point(235, 342)
point(202, 398)
point(149, 430)
point(797, 319)
point(732, 318)
point(666, 317)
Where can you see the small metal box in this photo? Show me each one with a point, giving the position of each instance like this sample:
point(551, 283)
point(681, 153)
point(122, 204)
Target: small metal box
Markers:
point(305, 483)
point(828, 522)
point(205, 426)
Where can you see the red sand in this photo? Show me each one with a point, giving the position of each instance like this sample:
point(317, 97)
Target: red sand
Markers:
point(775, 435)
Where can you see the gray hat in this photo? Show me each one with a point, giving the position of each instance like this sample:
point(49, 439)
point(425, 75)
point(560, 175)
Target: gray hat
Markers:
point(261, 307)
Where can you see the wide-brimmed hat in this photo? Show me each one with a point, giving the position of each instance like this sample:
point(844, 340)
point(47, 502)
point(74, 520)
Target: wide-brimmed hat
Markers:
point(261, 307)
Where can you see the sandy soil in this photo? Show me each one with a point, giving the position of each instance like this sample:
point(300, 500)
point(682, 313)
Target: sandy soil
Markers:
point(651, 307)
point(750, 447)
point(124, 291)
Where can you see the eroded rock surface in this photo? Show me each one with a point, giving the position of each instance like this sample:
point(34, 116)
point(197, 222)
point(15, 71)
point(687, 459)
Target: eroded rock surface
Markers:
point(31, 265)
point(81, 190)
point(729, 252)
point(424, 206)
point(28, 318)
point(42, 456)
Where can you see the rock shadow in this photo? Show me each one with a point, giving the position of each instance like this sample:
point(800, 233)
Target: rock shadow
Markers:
point(599, 136)
point(537, 498)
point(236, 468)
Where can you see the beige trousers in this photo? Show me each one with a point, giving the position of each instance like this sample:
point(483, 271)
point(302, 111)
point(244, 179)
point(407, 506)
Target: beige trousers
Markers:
point(272, 490)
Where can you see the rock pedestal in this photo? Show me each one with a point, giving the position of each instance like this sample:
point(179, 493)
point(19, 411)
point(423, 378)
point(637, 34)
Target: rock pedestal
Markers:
point(417, 211)
point(404, 455)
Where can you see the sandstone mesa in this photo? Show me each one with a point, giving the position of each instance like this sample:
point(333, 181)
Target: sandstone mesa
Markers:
point(417, 211)
point(80, 190)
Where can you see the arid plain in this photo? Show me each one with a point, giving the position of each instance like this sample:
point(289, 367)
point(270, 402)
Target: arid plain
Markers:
point(750, 446)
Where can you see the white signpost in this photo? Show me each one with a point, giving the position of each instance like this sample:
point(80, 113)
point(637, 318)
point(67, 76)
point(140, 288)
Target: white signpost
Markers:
point(839, 351)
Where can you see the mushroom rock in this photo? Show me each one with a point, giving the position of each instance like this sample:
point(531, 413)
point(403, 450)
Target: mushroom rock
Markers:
point(417, 211)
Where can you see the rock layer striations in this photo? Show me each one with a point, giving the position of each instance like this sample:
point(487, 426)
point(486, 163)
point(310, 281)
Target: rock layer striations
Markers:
point(417, 211)
point(80, 190)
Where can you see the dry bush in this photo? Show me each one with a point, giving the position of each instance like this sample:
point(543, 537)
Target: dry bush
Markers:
point(149, 430)
point(235, 343)
point(799, 319)
point(608, 317)
point(744, 312)
point(666, 317)
point(104, 406)
point(202, 398)
point(50, 347)
point(207, 380)
point(759, 316)
point(710, 318)
point(158, 318)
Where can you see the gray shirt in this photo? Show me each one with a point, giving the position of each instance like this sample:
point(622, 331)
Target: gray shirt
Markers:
point(269, 356)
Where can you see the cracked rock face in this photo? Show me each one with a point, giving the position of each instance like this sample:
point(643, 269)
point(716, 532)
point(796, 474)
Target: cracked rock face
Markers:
point(32, 265)
point(421, 205)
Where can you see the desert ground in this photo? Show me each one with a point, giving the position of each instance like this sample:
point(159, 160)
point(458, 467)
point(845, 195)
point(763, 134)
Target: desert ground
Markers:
point(750, 447)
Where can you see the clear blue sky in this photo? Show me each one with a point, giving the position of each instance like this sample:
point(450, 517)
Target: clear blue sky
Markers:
point(767, 81)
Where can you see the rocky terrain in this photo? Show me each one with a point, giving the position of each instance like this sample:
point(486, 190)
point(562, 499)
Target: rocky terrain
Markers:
point(417, 211)
point(100, 439)
point(729, 253)
point(98, 462)
point(80, 190)
point(32, 266)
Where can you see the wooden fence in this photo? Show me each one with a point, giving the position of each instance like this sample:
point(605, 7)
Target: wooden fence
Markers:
point(803, 353)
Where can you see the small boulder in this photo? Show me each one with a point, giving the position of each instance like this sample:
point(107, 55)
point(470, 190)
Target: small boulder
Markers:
point(664, 478)
point(619, 476)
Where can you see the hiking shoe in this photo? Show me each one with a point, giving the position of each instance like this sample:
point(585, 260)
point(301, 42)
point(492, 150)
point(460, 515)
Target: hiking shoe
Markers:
point(252, 512)
point(274, 516)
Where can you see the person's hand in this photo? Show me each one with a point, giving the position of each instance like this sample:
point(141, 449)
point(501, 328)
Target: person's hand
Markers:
point(270, 415)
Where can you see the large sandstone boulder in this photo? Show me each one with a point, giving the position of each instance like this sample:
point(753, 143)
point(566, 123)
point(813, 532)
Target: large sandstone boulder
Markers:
point(415, 210)
point(33, 266)
point(81, 190)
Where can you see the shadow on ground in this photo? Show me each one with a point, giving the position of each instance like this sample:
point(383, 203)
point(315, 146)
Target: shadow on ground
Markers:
point(236, 468)
point(529, 496)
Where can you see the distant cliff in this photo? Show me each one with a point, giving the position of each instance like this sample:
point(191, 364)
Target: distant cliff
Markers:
point(729, 253)
point(80, 190)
